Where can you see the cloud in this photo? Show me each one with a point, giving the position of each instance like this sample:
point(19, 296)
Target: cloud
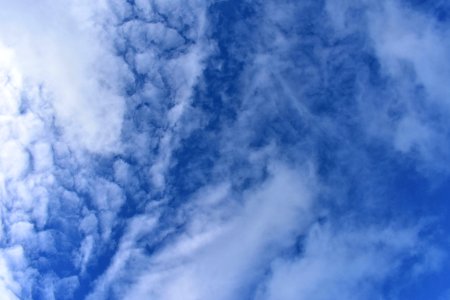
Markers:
point(403, 36)
point(15, 274)
point(127, 253)
point(408, 106)
point(224, 247)
point(217, 149)
point(88, 106)
point(52, 85)
point(340, 263)
point(23, 196)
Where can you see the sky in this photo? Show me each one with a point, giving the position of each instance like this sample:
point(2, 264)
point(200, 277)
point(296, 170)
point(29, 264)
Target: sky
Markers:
point(224, 149)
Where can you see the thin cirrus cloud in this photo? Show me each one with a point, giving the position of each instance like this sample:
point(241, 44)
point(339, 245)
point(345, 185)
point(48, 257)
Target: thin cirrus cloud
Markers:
point(223, 150)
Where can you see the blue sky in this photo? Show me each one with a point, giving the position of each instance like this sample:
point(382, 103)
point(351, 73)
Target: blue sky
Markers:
point(224, 149)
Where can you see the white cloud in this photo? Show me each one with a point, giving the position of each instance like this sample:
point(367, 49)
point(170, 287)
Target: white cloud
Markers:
point(343, 263)
point(23, 193)
point(8, 287)
point(119, 270)
point(42, 157)
point(15, 277)
point(50, 46)
point(59, 72)
point(14, 160)
point(21, 231)
point(227, 252)
point(167, 44)
point(402, 36)
point(411, 109)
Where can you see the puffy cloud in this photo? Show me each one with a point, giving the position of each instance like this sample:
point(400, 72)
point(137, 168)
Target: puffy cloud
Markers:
point(16, 277)
point(88, 106)
point(51, 85)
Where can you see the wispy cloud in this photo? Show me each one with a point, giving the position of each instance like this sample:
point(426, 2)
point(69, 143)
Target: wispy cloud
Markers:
point(220, 149)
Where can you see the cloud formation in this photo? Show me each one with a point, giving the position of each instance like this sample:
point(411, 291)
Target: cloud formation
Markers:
point(223, 149)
